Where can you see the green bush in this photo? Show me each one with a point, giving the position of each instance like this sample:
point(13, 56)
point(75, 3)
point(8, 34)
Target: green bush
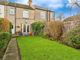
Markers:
point(72, 38)
point(4, 39)
point(37, 28)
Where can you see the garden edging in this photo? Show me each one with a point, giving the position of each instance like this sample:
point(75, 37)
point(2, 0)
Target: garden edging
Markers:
point(12, 52)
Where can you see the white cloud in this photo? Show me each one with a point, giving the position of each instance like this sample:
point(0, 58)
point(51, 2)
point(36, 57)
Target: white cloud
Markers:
point(50, 3)
point(22, 1)
point(56, 6)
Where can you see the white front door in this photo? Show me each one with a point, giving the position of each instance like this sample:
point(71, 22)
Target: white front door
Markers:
point(25, 28)
point(22, 28)
point(13, 30)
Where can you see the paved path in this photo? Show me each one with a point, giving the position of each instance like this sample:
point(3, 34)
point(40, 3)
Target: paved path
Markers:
point(12, 51)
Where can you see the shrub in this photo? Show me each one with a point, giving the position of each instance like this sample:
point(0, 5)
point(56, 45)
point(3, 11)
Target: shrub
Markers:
point(54, 29)
point(5, 25)
point(72, 38)
point(37, 28)
point(4, 39)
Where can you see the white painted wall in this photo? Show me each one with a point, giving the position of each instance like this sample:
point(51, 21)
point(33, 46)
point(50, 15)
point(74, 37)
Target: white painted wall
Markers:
point(1, 11)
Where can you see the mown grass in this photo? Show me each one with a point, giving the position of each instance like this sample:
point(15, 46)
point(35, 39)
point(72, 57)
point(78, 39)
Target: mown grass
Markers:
point(37, 48)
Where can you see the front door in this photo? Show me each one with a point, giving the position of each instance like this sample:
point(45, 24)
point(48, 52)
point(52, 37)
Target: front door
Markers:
point(13, 30)
point(25, 28)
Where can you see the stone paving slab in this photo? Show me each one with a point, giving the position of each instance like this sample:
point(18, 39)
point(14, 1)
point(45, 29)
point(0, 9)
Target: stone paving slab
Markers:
point(12, 51)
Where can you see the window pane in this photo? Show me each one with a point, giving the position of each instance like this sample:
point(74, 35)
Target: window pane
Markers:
point(1, 11)
point(12, 11)
point(43, 15)
point(25, 14)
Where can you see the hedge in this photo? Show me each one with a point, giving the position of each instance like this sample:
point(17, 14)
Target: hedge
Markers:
point(72, 38)
point(37, 28)
point(54, 29)
point(4, 40)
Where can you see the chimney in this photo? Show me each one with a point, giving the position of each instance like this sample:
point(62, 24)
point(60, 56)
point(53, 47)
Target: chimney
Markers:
point(30, 3)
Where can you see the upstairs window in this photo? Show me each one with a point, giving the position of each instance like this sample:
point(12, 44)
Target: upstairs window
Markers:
point(12, 11)
point(25, 14)
point(52, 16)
point(43, 15)
point(1, 11)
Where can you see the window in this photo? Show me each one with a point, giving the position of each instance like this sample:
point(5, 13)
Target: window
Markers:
point(43, 15)
point(25, 14)
point(1, 11)
point(12, 11)
point(51, 15)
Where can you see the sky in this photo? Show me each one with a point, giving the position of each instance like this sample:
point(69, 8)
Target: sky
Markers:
point(64, 7)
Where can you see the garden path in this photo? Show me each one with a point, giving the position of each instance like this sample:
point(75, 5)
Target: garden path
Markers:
point(12, 51)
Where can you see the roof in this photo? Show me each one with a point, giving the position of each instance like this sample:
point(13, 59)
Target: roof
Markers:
point(72, 18)
point(24, 6)
point(16, 5)
point(42, 8)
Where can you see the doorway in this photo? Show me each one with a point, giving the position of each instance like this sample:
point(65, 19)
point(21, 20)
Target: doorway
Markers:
point(25, 28)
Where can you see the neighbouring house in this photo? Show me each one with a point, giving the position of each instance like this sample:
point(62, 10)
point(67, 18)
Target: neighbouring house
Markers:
point(71, 22)
point(22, 16)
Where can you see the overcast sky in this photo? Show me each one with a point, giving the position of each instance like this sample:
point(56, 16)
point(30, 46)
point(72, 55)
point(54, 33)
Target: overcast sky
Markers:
point(59, 6)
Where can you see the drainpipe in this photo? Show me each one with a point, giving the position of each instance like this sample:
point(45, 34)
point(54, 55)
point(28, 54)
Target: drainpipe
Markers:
point(15, 18)
point(5, 10)
point(49, 15)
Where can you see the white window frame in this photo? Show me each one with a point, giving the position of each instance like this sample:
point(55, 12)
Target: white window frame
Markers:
point(52, 16)
point(43, 15)
point(12, 11)
point(1, 11)
point(25, 14)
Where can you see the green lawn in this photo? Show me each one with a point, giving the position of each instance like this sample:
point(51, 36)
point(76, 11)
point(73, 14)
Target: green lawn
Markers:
point(37, 48)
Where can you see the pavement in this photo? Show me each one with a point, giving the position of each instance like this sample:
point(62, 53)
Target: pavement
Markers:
point(12, 52)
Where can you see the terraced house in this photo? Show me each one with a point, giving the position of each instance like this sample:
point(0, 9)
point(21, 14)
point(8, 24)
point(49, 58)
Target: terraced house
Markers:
point(22, 16)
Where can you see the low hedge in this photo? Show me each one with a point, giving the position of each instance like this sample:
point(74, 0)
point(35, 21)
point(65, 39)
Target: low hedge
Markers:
point(4, 39)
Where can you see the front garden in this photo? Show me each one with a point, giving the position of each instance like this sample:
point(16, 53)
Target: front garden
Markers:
point(46, 41)
point(38, 48)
